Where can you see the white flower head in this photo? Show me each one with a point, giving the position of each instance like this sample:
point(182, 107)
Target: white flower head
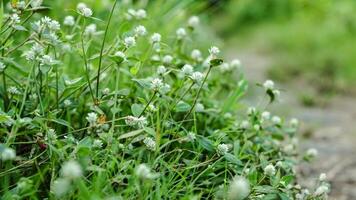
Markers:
point(276, 120)
point(14, 19)
point(140, 30)
point(265, 115)
point(225, 67)
point(67, 102)
point(129, 41)
point(136, 121)
point(167, 59)
point(71, 170)
point(36, 3)
point(245, 124)
point(120, 54)
point(90, 30)
point(144, 172)
point(187, 70)
point(69, 20)
point(193, 21)
point(199, 107)
point(251, 110)
point(191, 136)
point(214, 51)
point(312, 152)
point(97, 143)
point(181, 33)
point(140, 14)
point(196, 55)
point(270, 170)
point(222, 149)
point(86, 12)
point(13, 90)
point(161, 70)
point(239, 189)
point(60, 187)
point(235, 63)
point(81, 6)
point(156, 84)
point(197, 77)
point(47, 60)
point(54, 25)
point(8, 154)
point(294, 123)
point(2, 67)
point(150, 143)
point(321, 190)
point(155, 38)
point(106, 91)
point(268, 85)
point(322, 177)
point(92, 118)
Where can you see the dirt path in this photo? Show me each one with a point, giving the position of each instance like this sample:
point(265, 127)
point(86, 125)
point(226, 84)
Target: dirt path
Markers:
point(332, 128)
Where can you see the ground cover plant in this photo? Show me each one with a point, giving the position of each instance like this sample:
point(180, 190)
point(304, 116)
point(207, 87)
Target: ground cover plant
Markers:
point(107, 108)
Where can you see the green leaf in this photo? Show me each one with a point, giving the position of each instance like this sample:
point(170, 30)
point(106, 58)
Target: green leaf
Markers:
point(271, 95)
point(3, 118)
point(286, 180)
point(136, 109)
point(216, 62)
point(283, 196)
point(233, 159)
point(145, 83)
point(134, 70)
point(150, 131)
point(1, 12)
point(130, 134)
point(205, 143)
point(182, 107)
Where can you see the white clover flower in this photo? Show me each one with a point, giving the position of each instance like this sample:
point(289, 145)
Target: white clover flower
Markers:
point(279, 164)
point(196, 55)
point(268, 85)
point(245, 124)
point(150, 143)
point(214, 51)
point(251, 110)
point(136, 121)
point(197, 77)
point(155, 58)
point(181, 33)
point(106, 91)
point(81, 6)
point(165, 89)
point(322, 177)
point(47, 60)
point(2, 67)
point(239, 189)
point(86, 12)
point(90, 30)
point(60, 187)
point(235, 64)
point(199, 107)
point(141, 14)
point(71, 170)
point(294, 123)
point(312, 152)
point(97, 143)
point(225, 67)
point(265, 115)
point(276, 93)
point(155, 38)
point(13, 90)
point(51, 135)
point(36, 3)
point(92, 118)
point(54, 25)
point(222, 149)
point(21, 5)
point(156, 84)
point(120, 54)
point(46, 20)
point(193, 21)
point(187, 70)
point(67, 102)
point(152, 108)
point(167, 59)
point(129, 41)
point(321, 190)
point(69, 20)
point(140, 30)
point(191, 137)
point(276, 120)
point(270, 170)
point(8, 154)
point(14, 19)
point(288, 149)
point(161, 70)
point(144, 172)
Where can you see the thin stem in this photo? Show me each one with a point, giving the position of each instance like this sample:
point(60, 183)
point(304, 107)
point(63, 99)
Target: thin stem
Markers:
point(102, 49)
point(6, 99)
point(148, 103)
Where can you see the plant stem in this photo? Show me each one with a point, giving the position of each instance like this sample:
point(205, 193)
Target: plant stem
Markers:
point(102, 49)
point(148, 103)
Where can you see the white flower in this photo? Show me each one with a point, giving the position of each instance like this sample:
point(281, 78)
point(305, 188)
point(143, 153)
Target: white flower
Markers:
point(312, 152)
point(270, 170)
point(181, 33)
point(156, 84)
point(187, 69)
point(130, 41)
point(321, 190)
point(69, 21)
point(155, 38)
point(14, 19)
point(2, 67)
point(245, 124)
point(90, 29)
point(21, 5)
point(193, 21)
point(191, 136)
point(161, 70)
point(97, 143)
point(136, 121)
point(294, 122)
point(120, 54)
point(155, 58)
point(36, 3)
point(279, 164)
point(256, 127)
point(144, 172)
point(266, 115)
point(81, 6)
point(167, 59)
point(86, 12)
point(214, 51)
point(54, 25)
point(140, 30)
point(322, 177)
point(222, 149)
point(196, 55)
point(141, 14)
point(67, 102)
point(8, 154)
point(268, 85)
point(276, 120)
point(225, 67)
point(47, 60)
point(51, 135)
point(165, 89)
point(150, 143)
point(106, 91)
point(235, 63)
point(60, 187)
point(199, 107)
point(197, 77)
point(92, 118)
point(71, 170)
point(13, 90)
point(239, 189)
point(276, 93)
point(251, 110)
point(288, 149)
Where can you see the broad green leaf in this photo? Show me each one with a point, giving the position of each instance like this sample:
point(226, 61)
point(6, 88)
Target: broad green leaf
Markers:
point(233, 159)
point(205, 143)
point(136, 109)
point(182, 107)
point(131, 134)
